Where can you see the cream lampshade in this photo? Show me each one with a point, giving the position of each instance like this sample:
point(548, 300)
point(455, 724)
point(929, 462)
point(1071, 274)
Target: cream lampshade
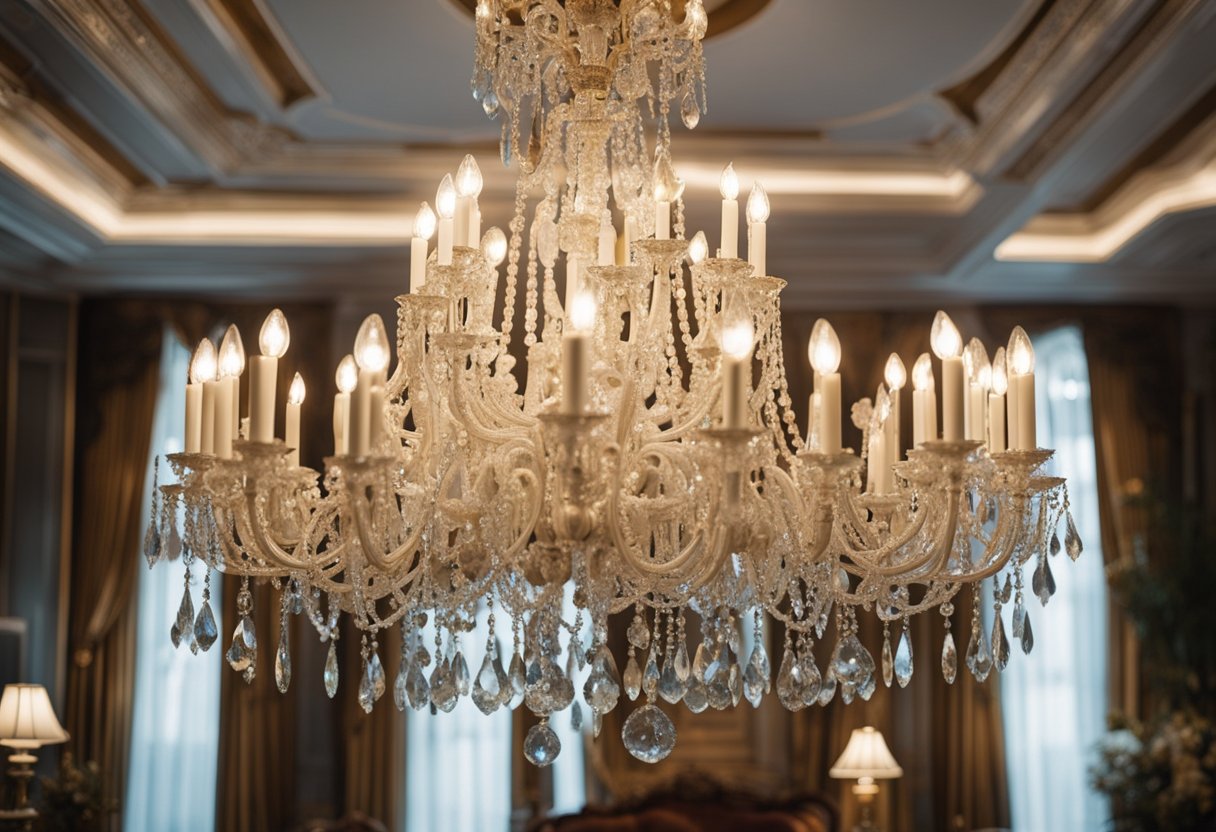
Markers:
point(865, 759)
point(27, 722)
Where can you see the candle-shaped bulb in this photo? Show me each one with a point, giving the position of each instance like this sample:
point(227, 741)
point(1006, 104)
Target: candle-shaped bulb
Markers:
point(445, 198)
point(1000, 378)
point(922, 373)
point(232, 353)
point(895, 374)
point(757, 204)
point(667, 186)
point(275, 336)
point(295, 393)
point(944, 337)
point(203, 364)
point(1020, 355)
point(582, 312)
point(371, 345)
point(468, 177)
point(824, 348)
point(494, 246)
point(975, 358)
point(425, 222)
point(729, 187)
point(698, 248)
point(347, 376)
point(737, 338)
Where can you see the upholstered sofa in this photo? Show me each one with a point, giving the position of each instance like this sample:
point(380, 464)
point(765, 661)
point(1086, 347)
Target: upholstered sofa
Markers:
point(697, 806)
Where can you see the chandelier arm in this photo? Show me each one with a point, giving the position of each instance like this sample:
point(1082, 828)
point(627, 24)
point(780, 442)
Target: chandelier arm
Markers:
point(868, 560)
point(269, 550)
point(388, 561)
point(464, 413)
point(1007, 548)
point(242, 563)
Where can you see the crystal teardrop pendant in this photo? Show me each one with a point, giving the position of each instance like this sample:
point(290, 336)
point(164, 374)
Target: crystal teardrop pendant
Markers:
point(683, 666)
point(1043, 582)
point(282, 662)
point(789, 681)
point(1027, 636)
point(330, 674)
point(671, 688)
point(633, 678)
point(949, 659)
point(888, 662)
point(486, 691)
point(1072, 540)
point(371, 685)
point(979, 659)
point(1000, 644)
point(690, 113)
point(205, 629)
point(417, 689)
point(1019, 618)
point(541, 745)
point(827, 689)
point(400, 684)
point(183, 624)
point(638, 634)
point(519, 682)
point(649, 734)
point(602, 690)
point(650, 676)
point(461, 669)
point(903, 659)
point(812, 680)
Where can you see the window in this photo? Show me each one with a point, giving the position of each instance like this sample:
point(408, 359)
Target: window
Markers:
point(1054, 701)
point(458, 764)
point(175, 727)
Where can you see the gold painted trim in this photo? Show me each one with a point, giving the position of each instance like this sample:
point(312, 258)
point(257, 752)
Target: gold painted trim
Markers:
point(725, 17)
point(261, 42)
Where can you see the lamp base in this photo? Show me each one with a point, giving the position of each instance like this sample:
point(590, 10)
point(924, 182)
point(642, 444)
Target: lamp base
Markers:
point(865, 790)
point(21, 772)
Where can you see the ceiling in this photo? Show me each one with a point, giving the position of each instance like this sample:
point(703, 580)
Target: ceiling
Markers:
point(1009, 150)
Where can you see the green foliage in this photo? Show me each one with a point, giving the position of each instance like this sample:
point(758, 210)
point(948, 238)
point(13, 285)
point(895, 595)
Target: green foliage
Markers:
point(75, 801)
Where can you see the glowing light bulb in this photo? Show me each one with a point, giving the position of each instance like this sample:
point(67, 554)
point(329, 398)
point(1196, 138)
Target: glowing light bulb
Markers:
point(975, 359)
point(698, 248)
point(895, 374)
point(494, 245)
point(347, 376)
point(824, 348)
point(295, 393)
point(203, 365)
point(944, 337)
point(445, 198)
point(371, 345)
point(468, 177)
point(582, 312)
point(1020, 355)
point(667, 186)
point(757, 204)
point(1000, 377)
point(922, 373)
point(275, 335)
point(737, 339)
point(425, 222)
point(729, 187)
point(232, 353)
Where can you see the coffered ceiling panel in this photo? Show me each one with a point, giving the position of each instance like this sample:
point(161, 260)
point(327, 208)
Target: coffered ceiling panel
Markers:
point(281, 145)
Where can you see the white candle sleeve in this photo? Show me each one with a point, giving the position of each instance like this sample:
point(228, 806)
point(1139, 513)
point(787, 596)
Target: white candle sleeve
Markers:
point(263, 375)
point(446, 232)
point(918, 417)
point(223, 417)
point(576, 367)
point(1012, 424)
point(977, 423)
point(829, 413)
point(194, 418)
point(360, 414)
point(952, 399)
point(418, 252)
point(474, 224)
point(342, 424)
point(460, 228)
point(235, 384)
point(607, 245)
point(1027, 432)
point(996, 423)
point(291, 434)
point(812, 416)
point(757, 244)
point(736, 388)
point(730, 228)
point(207, 430)
point(891, 431)
point(376, 414)
point(662, 220)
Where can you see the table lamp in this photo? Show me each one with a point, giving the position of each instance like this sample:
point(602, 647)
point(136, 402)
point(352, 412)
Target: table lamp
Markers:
point(27, 722)
point(865, 759)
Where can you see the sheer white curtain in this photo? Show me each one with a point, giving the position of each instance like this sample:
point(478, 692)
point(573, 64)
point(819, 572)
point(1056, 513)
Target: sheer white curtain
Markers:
point(458, 764)
point(1054, 701)
point(175, 726)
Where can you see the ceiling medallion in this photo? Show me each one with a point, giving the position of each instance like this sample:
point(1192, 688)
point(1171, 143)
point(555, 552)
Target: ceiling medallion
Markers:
point(643, 458)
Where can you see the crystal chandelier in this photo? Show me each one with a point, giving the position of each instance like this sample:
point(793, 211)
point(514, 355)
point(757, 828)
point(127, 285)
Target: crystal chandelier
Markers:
point(645, 454)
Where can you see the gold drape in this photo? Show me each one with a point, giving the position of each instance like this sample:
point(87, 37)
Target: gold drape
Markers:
point(118, 385)
point(373, 744)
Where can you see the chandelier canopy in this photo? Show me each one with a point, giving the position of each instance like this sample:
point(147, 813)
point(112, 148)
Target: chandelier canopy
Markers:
point(644, 455)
